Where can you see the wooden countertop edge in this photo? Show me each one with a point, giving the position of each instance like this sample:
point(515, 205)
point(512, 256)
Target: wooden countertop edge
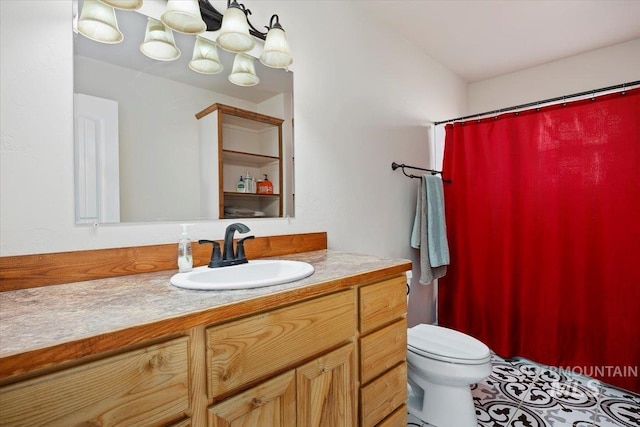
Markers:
point(16, 366)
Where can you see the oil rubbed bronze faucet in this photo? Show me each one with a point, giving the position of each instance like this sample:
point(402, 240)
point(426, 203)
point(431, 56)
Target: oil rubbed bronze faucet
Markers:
point(229, 255)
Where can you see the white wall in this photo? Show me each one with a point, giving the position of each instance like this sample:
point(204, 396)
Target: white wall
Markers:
point(592, 70)
point(363, 98)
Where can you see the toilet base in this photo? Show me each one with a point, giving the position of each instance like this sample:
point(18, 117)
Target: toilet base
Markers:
point(442, 406)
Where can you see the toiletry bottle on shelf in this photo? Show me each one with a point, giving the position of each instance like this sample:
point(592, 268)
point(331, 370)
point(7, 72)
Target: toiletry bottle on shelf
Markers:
point(185, 260)
point(261, 187)
point(249, 185)
point(241, 188)
point(266, 187)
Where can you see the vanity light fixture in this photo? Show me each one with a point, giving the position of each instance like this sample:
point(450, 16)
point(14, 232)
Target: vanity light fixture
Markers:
point(159, 43)
point(234, 28)
point(123, 4)
point(276, 53)
point(98, 22)
point(183, 16)
point(234, 31)
point(205, 57)
point(244, 71)
point(235, 34)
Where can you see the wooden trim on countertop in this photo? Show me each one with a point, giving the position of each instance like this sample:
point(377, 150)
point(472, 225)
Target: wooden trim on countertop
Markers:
point(31, 271)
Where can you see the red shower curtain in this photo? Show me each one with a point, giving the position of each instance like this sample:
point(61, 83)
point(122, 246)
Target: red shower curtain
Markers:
point(543, 221)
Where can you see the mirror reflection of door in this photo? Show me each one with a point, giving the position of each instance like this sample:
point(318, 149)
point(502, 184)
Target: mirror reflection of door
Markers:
point(96, 168)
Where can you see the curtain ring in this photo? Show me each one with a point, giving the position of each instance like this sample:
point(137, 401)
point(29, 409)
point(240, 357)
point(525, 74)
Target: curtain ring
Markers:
point(564, 101)
point(624, 88)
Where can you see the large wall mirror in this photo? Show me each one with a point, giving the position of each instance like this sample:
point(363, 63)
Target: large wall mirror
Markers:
point(152, 171)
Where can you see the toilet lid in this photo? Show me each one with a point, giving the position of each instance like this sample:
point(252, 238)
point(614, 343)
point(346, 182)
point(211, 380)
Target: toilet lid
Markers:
point(445, 344)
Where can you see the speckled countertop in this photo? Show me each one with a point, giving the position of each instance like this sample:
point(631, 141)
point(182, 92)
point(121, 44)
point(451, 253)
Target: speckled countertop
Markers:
point(38, 318)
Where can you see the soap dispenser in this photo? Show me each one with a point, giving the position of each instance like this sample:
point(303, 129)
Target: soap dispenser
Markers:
point(265, 186)
point(185, 260)
point(241, 188)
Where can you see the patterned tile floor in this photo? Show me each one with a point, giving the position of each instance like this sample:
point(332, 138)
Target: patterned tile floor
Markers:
point(521, 393)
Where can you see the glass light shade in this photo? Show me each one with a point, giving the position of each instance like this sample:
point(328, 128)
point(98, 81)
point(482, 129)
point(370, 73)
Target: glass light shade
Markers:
point(205, 57)
point(98, 22)
point(244, 71)
point(183, 16)
point(234, 32)
point(159, 43)
point(123, 4)
point(276, 53)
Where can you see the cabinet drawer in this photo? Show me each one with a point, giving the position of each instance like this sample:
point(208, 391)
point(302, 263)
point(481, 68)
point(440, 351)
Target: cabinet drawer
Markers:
point(247, 350)
point(382, 349)
point(397, 419)
point(383, 396)
point(146, 387)
point(382, 303)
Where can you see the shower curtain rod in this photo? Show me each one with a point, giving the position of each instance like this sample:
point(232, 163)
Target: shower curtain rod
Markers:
point(545, 101)
point(395, 166)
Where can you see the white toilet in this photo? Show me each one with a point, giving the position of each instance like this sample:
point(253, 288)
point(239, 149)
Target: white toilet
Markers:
point(442, 364)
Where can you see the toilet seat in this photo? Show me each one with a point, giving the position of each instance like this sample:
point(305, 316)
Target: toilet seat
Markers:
point(447, 345)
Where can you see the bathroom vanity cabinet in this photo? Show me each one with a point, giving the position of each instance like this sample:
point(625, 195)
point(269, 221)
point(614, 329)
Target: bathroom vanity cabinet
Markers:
point(233, 142)
point(329, 351)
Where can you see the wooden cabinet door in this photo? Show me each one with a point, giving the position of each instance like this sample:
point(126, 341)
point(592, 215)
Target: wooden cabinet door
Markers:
point(270, 404)
point(325, 390)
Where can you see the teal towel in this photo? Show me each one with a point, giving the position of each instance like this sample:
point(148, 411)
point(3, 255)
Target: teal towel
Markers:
point(429, 229)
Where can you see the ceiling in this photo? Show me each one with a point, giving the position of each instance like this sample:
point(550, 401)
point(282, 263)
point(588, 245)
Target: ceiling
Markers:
point(482, 39)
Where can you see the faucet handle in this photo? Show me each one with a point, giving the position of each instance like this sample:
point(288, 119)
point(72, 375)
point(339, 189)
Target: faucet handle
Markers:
point(216, 258)
point(240, 248)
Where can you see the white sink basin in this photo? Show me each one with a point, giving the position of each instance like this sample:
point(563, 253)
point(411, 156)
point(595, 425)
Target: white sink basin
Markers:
point(254, 274)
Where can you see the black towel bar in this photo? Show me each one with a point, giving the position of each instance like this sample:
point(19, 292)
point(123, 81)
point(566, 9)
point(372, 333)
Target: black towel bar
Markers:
point(395, 166)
